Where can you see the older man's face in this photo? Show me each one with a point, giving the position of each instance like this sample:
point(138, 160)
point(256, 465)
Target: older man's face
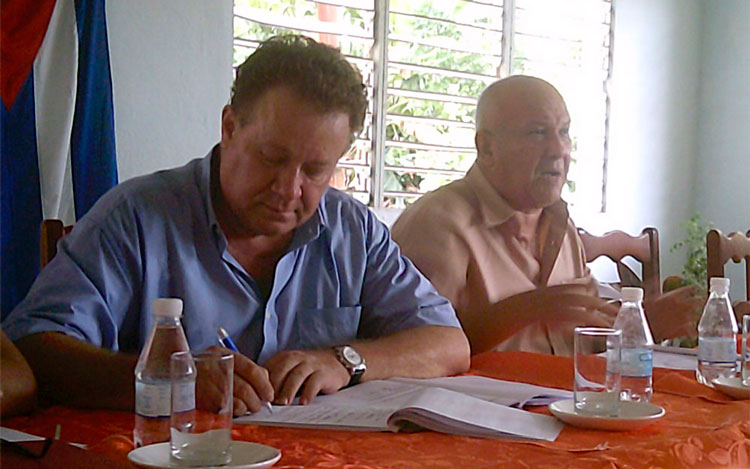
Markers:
point(527, 136)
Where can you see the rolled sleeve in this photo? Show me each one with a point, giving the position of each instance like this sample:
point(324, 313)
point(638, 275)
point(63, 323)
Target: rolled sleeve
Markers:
point(75, 293)
point(396, 296)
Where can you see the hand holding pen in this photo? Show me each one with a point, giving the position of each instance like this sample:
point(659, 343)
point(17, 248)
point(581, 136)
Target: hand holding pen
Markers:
point(227, 342)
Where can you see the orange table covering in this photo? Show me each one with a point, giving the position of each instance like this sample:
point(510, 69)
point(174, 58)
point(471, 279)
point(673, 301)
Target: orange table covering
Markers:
point(702, 428)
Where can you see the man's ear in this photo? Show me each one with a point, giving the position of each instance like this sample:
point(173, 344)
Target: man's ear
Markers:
point(483, 142)
point(229, 122)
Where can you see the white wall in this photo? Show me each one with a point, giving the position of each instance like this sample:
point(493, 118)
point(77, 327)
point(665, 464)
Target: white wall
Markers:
point(722, 176)
point(680, 103)
point(652, 143)
point(171, 75)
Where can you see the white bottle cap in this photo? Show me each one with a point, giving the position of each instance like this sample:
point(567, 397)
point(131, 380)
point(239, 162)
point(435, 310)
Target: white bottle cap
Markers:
point(719, 284)
point(632, 294)
point(170, 307)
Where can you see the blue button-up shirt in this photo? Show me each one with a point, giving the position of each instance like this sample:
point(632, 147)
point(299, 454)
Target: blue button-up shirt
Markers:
point(156, 236)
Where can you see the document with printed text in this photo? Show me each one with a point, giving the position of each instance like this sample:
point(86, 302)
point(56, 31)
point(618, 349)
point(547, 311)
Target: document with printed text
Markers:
point(465, 405)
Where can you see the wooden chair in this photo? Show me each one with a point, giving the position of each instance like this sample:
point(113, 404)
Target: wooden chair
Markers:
point(51, 232)
point(617, 245)
point(720, 249)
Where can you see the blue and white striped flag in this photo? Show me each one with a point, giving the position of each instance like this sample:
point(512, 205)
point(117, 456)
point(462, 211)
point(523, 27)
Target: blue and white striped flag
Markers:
point(58, 137)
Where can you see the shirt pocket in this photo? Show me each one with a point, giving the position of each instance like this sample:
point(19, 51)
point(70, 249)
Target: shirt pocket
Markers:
point(326, 327)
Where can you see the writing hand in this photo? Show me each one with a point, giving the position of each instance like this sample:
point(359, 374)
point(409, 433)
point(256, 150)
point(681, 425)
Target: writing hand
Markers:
point(252, 386)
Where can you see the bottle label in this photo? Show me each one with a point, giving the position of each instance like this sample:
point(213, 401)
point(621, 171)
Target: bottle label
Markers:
point(637, 362)
point(717, 349)
point(184, 396)
point(152, 399)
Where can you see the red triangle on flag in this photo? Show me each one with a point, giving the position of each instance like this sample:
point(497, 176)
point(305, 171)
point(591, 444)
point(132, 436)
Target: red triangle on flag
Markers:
point(23, 25)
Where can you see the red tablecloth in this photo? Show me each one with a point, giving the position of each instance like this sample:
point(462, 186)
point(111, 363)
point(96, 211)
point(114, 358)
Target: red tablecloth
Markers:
point(702, 428)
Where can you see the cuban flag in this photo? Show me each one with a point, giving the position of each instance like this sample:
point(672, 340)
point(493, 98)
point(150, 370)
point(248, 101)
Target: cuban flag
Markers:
point(58, 140)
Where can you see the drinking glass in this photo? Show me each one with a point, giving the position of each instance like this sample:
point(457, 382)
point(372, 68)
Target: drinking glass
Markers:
point(596, 388)
point(201, 413)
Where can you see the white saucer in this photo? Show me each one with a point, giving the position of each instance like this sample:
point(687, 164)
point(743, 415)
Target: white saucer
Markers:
point(732, 386)
point(245, 455)
point(633, 415)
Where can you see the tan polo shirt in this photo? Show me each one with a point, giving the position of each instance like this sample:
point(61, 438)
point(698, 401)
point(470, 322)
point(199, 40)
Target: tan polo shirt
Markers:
point(464, 238)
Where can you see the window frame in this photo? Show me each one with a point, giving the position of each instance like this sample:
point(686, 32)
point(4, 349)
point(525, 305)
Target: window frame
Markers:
point(381, 65)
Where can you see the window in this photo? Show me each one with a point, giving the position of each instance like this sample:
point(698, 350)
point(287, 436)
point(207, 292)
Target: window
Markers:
point(426, 62)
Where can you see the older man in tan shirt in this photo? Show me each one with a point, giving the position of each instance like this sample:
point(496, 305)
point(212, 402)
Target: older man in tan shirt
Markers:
point(499, 243)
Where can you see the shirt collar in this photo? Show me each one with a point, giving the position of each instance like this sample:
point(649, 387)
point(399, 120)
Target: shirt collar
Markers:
point(494, 209)
point(209, 175)
point(312, 228)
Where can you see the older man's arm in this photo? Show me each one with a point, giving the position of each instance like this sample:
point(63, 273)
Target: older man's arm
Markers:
point(72, 372)
point(420, 352)
point(559, 307)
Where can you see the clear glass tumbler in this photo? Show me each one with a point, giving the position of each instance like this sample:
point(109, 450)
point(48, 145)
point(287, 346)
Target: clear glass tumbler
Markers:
point(596, 388)
point(201, 413)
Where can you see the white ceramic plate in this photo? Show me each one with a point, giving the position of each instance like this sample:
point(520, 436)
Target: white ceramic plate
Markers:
point(245, 455)
point(732, 386)
point(633, 415)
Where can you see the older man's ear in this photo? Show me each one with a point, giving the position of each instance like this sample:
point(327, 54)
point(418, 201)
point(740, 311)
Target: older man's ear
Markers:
point(483, 142)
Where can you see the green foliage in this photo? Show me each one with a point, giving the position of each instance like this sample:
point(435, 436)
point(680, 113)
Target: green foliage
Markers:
point(694, 244)
point(431, 47)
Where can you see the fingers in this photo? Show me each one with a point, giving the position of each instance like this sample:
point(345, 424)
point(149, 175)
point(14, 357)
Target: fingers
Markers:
point(251, 385)
point(305, 373)
point(583, 317)
point(568, 288)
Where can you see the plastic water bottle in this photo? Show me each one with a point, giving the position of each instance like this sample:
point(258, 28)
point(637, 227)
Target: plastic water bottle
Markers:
point(636, 364)
point(717, 335)
point(152, 382)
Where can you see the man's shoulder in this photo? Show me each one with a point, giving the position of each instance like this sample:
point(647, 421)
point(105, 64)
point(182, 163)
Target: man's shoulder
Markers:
point(339, 207)
point(157, 192)
point(171, 179)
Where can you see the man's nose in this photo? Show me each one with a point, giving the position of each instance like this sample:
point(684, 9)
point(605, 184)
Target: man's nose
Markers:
point(559, 146)
point(288, 183)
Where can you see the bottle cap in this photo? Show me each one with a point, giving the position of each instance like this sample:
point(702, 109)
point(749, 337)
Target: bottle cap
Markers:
point(170, 307)
point(632, 294)
point(719, 284)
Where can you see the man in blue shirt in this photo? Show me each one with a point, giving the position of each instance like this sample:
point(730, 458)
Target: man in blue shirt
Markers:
point(305, 279)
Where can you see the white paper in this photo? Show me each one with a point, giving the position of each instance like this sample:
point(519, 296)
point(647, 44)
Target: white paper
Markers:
point(386, 404)
point(8, 434)
point(507, 393)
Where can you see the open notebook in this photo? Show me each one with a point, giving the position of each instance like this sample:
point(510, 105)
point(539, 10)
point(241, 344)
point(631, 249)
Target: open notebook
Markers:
point(466, 405)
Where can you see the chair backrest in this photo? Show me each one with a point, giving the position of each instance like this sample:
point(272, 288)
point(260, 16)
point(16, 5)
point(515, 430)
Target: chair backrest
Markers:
point(720, 248)
point(51, 232)
point(617, 244)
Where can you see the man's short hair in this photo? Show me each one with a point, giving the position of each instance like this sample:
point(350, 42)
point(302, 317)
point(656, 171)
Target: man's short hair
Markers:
point(318, 72)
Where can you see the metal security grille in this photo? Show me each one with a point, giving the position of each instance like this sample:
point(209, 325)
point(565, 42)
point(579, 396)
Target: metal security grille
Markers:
point(425, 63)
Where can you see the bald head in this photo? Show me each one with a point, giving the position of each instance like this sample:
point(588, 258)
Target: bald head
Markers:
point(502, 100)
point(523, 146)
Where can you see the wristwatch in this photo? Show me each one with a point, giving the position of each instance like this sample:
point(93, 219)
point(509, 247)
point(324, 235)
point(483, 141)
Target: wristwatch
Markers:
point(352, 361)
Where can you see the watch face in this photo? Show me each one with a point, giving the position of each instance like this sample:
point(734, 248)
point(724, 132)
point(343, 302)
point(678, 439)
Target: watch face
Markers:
point(351, 355)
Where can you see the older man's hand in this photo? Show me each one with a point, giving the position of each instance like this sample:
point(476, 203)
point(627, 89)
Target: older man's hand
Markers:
point(675, 314)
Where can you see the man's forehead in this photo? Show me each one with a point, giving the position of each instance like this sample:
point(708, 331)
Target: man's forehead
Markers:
point(524, 99)
point(528, 112)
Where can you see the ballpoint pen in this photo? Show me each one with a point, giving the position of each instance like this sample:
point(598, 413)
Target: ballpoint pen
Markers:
point(227, 342)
